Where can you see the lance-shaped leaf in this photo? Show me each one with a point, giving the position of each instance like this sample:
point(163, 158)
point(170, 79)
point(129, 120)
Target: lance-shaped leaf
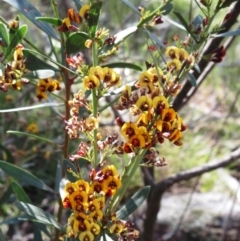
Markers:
point(19, 192)
point(4, 35)
point(76, 42)
point(93, 15)
point(133, 203)
point(17, 38)
point(53, 21)
point(123, 65)
point(29, 11)
point(34, 63)
point(166, 9)
point(38, 214)
point(119, 37)
point(23, 176)
point(192, 79)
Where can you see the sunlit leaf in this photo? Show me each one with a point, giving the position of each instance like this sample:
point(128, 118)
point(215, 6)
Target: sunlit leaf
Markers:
point(53, 21)
point(38, 214)
point(29, 11)
point(4, 35)
point(93, 14)
point(192, 79)
point(40, 74)
point(119, 37)
point(129, 4)
point(34, 63)
point(20, 193)
point(76, 42)
point(133, 203)
point(166, 9)
point(23, 176)
point(227, 34)
point(123, 65)
point(155, 39)
point(26, 108)
point(17, 38)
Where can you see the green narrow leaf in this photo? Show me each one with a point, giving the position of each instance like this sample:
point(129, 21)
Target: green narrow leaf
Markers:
point(76, 42)
point(53, 21)
point(4, 35)
point(93, 14)
point(123, 65)
point(227, 34)
point(23, 175)
point(105, 237)
point(34, 63)
point(192, 79)
point(17, 38)
point(40, 74)
point(38, 214)
point(29, 11)
point(20, 193)
point(183, 22)
point(133, 203)
point(129, 4)
point(67, 164)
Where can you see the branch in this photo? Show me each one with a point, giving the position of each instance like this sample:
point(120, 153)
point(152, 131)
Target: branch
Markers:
point(197, 171)
point(158, 189)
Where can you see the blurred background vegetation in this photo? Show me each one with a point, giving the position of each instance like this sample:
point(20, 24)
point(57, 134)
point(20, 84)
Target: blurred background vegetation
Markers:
point(212, 116)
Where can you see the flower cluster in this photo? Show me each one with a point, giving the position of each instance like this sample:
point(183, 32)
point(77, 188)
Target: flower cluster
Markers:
point(12, 76)
point(88, 202)
point(46, 85)
point(156, 120)
point(97, 78)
